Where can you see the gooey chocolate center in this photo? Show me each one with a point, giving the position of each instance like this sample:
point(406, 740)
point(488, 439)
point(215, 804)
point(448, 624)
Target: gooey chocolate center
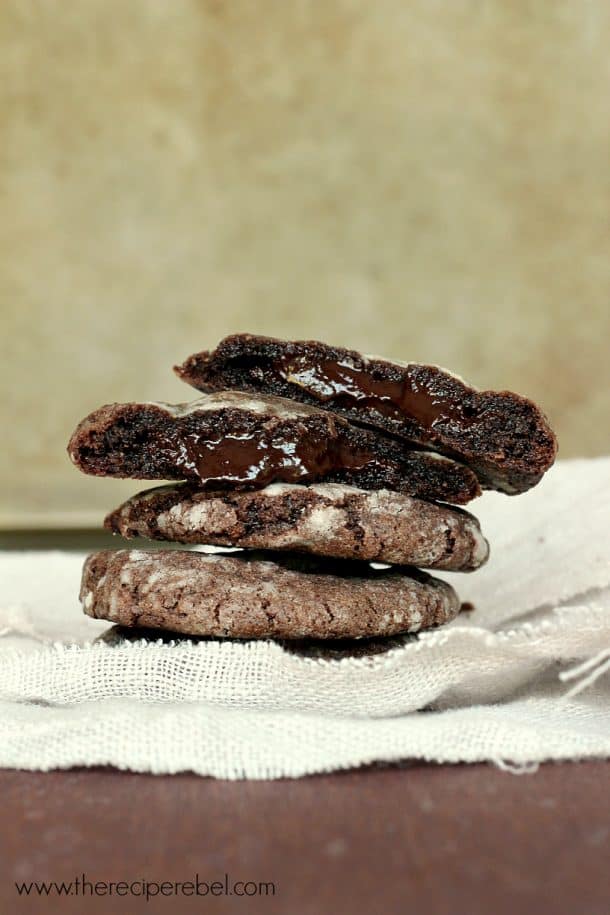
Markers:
point(256, 459)
point(340, 383)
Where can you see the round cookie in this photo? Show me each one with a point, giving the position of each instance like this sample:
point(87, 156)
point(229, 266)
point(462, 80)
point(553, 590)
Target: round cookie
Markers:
point(327, 519)
point(248, 596)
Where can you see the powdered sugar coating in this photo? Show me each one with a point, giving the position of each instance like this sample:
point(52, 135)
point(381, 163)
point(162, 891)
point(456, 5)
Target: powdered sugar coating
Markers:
point(371, 357)
point(261, 404)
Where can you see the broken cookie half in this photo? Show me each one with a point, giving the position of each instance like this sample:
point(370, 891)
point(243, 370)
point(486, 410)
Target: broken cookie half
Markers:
point(504, 437)
point(234, 440)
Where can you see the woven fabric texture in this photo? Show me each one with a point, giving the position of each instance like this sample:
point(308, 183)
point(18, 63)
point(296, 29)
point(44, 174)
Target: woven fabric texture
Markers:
point(521, 679)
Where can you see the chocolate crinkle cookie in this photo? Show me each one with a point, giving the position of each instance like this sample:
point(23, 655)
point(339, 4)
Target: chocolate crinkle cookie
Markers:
point(258, 595)
point(324, 519)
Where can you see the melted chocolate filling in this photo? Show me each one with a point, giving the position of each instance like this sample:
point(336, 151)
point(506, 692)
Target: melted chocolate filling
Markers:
point(341, 384)
point(250, 458)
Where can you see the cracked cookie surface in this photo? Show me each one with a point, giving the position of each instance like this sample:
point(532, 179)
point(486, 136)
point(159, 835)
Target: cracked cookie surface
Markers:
point(252, 596)
point(323, 519)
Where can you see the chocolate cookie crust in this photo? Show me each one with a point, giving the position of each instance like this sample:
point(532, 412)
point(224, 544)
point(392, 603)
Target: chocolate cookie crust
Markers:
point(240, 441)
point(504, 437)
point(251, 597)
point(325, 520)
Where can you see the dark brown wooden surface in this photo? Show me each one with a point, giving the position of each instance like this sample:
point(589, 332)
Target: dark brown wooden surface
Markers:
point(419, 840)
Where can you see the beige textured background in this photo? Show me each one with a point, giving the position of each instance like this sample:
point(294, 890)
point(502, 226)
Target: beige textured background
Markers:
point(429, 180)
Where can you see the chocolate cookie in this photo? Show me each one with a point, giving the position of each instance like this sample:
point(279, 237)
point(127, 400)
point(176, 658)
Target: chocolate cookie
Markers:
point(247, 596)
point(504, 437)
point(327, 519)
point(235, 440)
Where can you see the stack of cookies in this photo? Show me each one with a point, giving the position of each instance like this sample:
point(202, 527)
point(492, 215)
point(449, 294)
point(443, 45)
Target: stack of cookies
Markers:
point(335, 474)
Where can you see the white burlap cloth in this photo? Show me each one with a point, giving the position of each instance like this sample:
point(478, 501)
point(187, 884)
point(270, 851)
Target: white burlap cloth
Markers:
point(521, 679)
